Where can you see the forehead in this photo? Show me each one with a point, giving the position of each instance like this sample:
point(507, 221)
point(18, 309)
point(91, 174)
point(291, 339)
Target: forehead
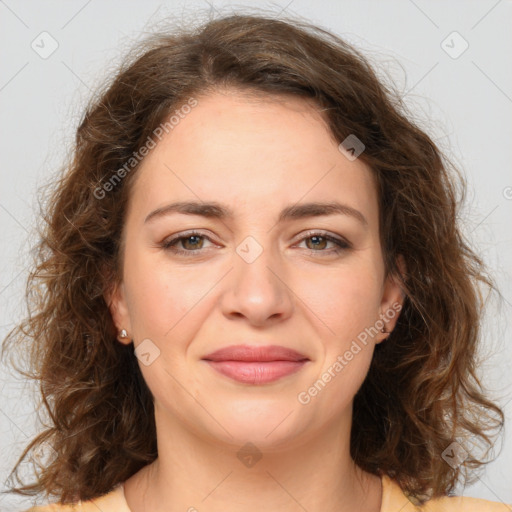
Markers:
point(237, 148)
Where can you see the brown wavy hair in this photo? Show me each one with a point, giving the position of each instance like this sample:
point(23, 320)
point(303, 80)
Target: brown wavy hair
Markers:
point(422, 391)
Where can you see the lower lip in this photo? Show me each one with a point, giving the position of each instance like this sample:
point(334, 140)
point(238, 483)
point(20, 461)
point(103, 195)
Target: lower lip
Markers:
point(256, 372)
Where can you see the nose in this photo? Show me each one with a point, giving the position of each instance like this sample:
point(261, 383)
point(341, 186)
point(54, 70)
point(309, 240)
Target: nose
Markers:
point(258, 290)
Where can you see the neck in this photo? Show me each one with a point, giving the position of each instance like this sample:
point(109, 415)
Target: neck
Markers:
point(195, 474)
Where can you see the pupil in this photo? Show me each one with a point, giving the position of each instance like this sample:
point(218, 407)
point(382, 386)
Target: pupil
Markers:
point(318, 239)
point(190, 238)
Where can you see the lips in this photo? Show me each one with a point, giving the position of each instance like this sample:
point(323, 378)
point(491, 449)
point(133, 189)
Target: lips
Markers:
point(255, 354)
point(256, 365)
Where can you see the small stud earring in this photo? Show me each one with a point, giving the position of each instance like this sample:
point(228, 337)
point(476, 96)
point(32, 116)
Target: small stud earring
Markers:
point(123, 333)
point(385, 334)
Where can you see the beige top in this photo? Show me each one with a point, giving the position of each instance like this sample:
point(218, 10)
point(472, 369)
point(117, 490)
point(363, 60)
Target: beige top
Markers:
point(393, 500)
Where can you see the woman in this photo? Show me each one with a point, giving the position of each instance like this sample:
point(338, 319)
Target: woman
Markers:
point(253, 291)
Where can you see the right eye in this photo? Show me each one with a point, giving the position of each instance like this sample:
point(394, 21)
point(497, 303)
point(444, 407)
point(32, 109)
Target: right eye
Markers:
point(191, 243)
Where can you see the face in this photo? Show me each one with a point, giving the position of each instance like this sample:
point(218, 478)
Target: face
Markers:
point(258, 268)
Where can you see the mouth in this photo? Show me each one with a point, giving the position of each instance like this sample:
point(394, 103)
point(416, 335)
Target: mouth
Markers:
point(256, 365)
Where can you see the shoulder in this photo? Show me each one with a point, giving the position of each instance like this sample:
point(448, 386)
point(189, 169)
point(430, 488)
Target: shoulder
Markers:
point(464, 504)
point(394, 499)
point(54, 508)
point(113, 501)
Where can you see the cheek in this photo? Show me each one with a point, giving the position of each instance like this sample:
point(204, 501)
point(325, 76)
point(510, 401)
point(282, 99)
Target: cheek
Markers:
point(345, 299)
point(159, 296)
point(339, 380)
point(346, 307)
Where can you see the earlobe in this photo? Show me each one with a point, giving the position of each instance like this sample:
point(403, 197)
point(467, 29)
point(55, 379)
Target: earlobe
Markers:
point(382, 336)
point(116, 302)
point(122, 335)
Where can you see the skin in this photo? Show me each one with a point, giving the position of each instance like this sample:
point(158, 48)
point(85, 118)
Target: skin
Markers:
point(257, 156)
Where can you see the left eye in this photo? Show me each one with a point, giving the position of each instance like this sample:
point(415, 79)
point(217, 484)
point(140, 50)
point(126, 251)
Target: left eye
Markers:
point(320, 240)
point(193, 242)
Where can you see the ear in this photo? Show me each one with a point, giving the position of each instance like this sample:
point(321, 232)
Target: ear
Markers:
point(392, 298)
point(116, 301)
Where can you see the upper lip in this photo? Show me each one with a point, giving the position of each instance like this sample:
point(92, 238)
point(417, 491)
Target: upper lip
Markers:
point(250, 353)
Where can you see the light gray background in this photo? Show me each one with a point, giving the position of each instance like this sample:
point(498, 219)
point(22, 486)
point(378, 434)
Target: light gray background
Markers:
point(465, 103)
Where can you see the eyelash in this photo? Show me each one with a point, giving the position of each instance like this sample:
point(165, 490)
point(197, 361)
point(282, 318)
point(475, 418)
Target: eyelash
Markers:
point(341, 244)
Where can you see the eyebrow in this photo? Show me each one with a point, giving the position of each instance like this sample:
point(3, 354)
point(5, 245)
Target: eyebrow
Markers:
point(215, 210)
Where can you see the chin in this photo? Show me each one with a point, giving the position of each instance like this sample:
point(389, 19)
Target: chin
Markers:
point(267, 427)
